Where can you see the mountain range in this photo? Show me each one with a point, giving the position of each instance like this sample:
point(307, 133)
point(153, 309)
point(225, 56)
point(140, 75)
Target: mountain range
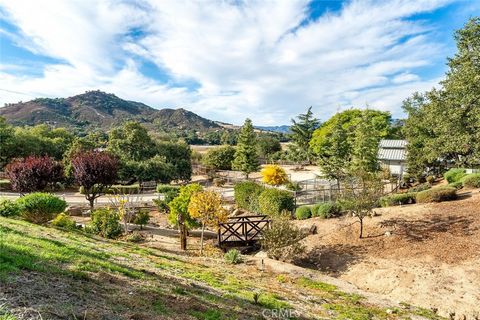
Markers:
point(97, 109)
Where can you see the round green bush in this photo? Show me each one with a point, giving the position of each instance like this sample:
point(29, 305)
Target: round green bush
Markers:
point(106, 223)
point(64, 221)
point(303, 212)
point(9, 208)
point(438, 194)
point(472, 180)
point(454, 174)
point(247, 195)
point(40, 207)
point(397, 199)
point(326, 210)
point(430, 179)
point(274, 201)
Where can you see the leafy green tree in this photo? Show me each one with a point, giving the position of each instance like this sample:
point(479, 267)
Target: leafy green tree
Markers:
point(444, 123)
point(131, 142)
point(178, 157)
point(179, 214)
point(302, 131)
point(7, 138)
point(334, 155)
point(219, 158)
point(229, 137)
point(246, 156)
point(268, 145)
point(340, 139)
point(365, 146)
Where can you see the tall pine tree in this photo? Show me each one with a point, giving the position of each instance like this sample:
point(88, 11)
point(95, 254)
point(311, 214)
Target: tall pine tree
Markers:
point(246, 157)
point(302, 131)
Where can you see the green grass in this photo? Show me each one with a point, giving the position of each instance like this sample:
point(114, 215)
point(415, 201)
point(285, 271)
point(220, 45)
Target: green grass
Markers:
point(120, 280)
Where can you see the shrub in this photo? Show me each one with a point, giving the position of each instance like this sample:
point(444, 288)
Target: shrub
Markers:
point(430, 179)
point(135, 237)
point(326, 210)
point(454, 174)
point(275, 201)
point(219, 182)
point(9, 208)
point(303, 212)
point(166, 188)
point(121, 189)
point(274, 175)
point(64, 221)
point(420, 187)
point(233, 256)
point(472, 180)
point(141, 218)
point(106, 223)
point(293, 186)
point(34, 173)
point(437, 195)
point(40, 207)
point(457, 185)
point(397, 199)
point(246, 195)
point(282, 241)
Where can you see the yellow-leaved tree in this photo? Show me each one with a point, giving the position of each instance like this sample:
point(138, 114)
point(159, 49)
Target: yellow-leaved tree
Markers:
point(206, 207)
point(274, 175)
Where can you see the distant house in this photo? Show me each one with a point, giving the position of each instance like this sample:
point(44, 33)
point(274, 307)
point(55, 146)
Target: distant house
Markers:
point(392, 155)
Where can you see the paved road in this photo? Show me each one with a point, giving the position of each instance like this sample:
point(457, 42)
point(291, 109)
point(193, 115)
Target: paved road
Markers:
point(77, 198)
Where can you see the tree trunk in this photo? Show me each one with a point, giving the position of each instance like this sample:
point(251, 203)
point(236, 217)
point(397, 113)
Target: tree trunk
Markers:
point(183, 237)
point(201, 239)
point(361, 228)
point(92, 203)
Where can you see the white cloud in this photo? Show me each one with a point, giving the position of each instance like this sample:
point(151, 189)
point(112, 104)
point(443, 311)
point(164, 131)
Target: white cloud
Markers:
point(251, 59)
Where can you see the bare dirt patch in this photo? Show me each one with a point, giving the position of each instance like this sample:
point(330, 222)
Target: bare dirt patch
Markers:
point(426, 255)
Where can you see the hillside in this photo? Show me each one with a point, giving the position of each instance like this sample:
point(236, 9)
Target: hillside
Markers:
point(51, 274)
point(96, 109)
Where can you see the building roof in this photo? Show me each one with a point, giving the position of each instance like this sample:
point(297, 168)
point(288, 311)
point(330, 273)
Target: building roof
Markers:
point(392, 150)
point(396, 144)
point(391, 154)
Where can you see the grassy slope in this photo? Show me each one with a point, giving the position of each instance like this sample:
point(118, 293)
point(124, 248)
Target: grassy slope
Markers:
point(69, 275)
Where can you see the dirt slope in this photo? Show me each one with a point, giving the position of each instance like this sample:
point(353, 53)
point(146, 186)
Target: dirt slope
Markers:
point(428, 255)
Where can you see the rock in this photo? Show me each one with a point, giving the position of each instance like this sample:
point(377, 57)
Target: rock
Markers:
point(388, 234)
point(237, 212)
point(76, 210)
point(313, 229)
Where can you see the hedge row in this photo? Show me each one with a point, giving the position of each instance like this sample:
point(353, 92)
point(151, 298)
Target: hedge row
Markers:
point(34, 207)
point(322, 210)
point(398, 199)
point(472, 180)
point(256, 198)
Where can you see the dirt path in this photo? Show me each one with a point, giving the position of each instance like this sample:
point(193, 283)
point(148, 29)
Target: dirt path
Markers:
point(427, 255)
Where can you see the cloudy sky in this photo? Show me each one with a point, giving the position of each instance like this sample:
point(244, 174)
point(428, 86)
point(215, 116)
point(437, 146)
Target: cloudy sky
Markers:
point(227, 60)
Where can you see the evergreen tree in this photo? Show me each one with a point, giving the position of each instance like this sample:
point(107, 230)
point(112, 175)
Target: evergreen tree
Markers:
point(246, 157)
point(302, 131)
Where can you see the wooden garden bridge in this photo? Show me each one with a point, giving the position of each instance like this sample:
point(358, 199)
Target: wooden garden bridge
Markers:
point(242, 231)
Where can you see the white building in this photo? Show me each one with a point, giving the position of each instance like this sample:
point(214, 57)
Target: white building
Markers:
point(392, 154)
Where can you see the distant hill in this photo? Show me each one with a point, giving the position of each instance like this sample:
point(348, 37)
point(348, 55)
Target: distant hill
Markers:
point(97, 109)
point(281, 129)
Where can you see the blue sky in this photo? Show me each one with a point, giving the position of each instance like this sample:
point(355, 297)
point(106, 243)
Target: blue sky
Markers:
point(227, 60)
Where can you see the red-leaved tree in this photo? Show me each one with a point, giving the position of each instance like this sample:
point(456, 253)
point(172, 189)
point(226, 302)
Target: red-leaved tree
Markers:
point(34, 173)
point(94, 171)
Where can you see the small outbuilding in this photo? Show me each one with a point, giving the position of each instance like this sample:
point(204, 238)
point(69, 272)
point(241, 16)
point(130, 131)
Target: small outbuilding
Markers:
point(392, 155)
